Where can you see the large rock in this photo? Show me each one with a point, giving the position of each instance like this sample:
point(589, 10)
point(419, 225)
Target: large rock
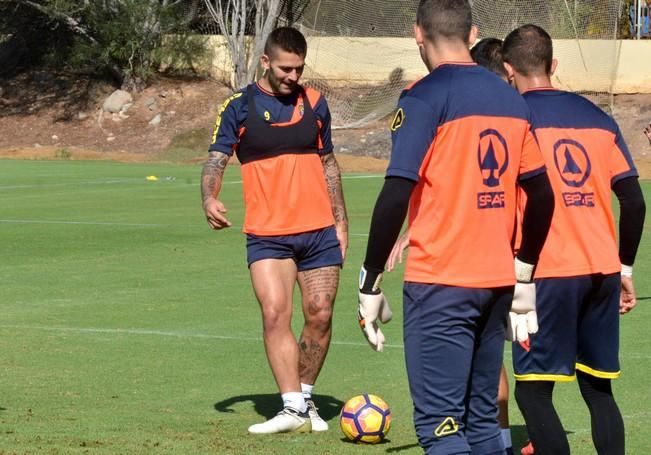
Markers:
point(116, 101)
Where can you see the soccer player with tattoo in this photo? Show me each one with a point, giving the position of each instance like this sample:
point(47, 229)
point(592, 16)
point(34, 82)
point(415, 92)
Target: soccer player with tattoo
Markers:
point(295, 220)
point(461, 143)
point(584, 279)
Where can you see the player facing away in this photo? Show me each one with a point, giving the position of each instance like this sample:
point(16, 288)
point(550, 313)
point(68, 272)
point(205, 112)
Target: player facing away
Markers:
point(461, 141)
point(487, 53)
point(583, 280)
point(295, 220)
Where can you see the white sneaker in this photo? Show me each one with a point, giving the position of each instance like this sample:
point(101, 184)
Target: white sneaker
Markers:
point(318, 424)
point(287, 420)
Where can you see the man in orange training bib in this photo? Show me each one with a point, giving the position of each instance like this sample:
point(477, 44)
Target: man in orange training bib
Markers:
point(295, 220)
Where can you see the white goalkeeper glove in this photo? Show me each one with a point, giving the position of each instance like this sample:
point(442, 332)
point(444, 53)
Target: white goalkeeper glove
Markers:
point(372, 307)
point(522, 317)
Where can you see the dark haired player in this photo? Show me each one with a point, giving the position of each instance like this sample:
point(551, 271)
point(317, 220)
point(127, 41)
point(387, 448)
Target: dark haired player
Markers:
point(583, 280)
point(295, 220)
point(461, 143)
point(487, 53)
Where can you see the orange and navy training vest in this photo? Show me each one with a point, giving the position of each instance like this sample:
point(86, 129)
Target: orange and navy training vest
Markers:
point(464, 136)
point(585, 155)
point(279, 141)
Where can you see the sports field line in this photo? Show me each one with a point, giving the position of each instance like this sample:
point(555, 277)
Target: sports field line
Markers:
point(90, 182)
point(98, 223)
point(161, 333)
point(144, 181)
point(119, 224)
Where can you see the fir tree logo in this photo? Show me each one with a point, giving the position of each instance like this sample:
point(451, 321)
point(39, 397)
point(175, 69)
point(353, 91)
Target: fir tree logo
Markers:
point(572, 162)
point(570, 165)
point(490, 164)
point(493, 157)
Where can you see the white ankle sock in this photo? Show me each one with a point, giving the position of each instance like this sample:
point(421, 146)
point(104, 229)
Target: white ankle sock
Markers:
point(307, 390)
point(506, 437)
point(294, 400)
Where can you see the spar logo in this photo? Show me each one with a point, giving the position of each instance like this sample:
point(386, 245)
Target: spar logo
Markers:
point(493, 160)
point(573, 165)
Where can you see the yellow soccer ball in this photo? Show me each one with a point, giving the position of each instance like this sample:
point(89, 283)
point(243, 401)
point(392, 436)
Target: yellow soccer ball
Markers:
point(365, 419)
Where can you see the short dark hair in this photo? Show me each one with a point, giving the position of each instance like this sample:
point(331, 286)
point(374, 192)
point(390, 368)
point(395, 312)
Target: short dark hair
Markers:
point(488, 53)
point(529, 50)
point(288, 39)
point(446, 19)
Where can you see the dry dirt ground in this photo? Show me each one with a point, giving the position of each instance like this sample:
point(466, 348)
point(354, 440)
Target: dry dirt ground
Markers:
point(50, 116)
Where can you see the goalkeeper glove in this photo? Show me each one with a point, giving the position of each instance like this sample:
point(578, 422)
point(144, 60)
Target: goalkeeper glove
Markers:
point(522, 317)
point(373, 306)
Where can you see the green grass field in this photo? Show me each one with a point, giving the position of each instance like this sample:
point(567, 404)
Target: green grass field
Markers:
point(128, 327)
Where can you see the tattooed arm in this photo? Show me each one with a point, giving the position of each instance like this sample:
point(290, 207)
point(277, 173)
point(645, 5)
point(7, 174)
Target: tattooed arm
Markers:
point(211, 183)
point(336, 193)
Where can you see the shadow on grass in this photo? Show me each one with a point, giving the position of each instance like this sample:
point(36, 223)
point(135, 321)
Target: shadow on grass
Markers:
point(382, 442)
point(401, 448)
point(268, 405)
point(520, 437)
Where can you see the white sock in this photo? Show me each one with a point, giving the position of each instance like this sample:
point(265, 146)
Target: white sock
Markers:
point(307, 390)
point(294, 400)
point(506, 437)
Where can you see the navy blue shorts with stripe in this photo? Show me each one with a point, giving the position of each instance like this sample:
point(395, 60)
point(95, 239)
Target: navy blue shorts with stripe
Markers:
point(578, 320)
point(454, 343)
point(310, 250)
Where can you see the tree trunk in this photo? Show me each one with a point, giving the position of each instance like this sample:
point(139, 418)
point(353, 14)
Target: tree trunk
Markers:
point(232, 17)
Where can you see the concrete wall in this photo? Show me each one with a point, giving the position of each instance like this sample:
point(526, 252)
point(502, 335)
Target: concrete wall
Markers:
point(634, 67)
point(585, 65)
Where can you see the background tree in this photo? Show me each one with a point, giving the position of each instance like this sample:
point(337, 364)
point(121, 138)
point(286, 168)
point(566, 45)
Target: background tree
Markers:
point(121, 38)
point(237, 20)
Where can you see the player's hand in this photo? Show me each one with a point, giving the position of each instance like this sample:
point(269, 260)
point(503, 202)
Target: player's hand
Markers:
point(627, 299)
point(523, 319)
point(342, 236)
point(215, 210)
point(373, 307)
point(397, 252)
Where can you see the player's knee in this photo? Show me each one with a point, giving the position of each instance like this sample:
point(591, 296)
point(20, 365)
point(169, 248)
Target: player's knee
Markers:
point(593, 388)
point(319, 319)
point(275, 317)
point(533, 393)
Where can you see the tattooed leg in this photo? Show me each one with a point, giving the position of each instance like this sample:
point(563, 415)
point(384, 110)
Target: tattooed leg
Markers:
point(319, 289)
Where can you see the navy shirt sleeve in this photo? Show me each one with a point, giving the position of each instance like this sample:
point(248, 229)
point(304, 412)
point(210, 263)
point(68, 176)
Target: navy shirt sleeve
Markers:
point(226, 132)
point(322, 113)
point(622, 149)
point(413, 131)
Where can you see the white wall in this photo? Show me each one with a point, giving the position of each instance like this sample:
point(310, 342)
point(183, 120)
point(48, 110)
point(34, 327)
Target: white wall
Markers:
point(585, 65)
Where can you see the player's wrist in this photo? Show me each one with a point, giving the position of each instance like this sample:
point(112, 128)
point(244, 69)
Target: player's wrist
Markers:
point(523, 271)
point(369, 280)
point(627, 271)
point(207, 201)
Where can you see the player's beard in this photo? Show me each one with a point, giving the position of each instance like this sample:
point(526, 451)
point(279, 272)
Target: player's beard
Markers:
point(278, 86)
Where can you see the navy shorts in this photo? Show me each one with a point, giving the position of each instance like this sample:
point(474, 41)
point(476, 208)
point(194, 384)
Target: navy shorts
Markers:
point(454, 344)
point(578, 320)
point(310, 250)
